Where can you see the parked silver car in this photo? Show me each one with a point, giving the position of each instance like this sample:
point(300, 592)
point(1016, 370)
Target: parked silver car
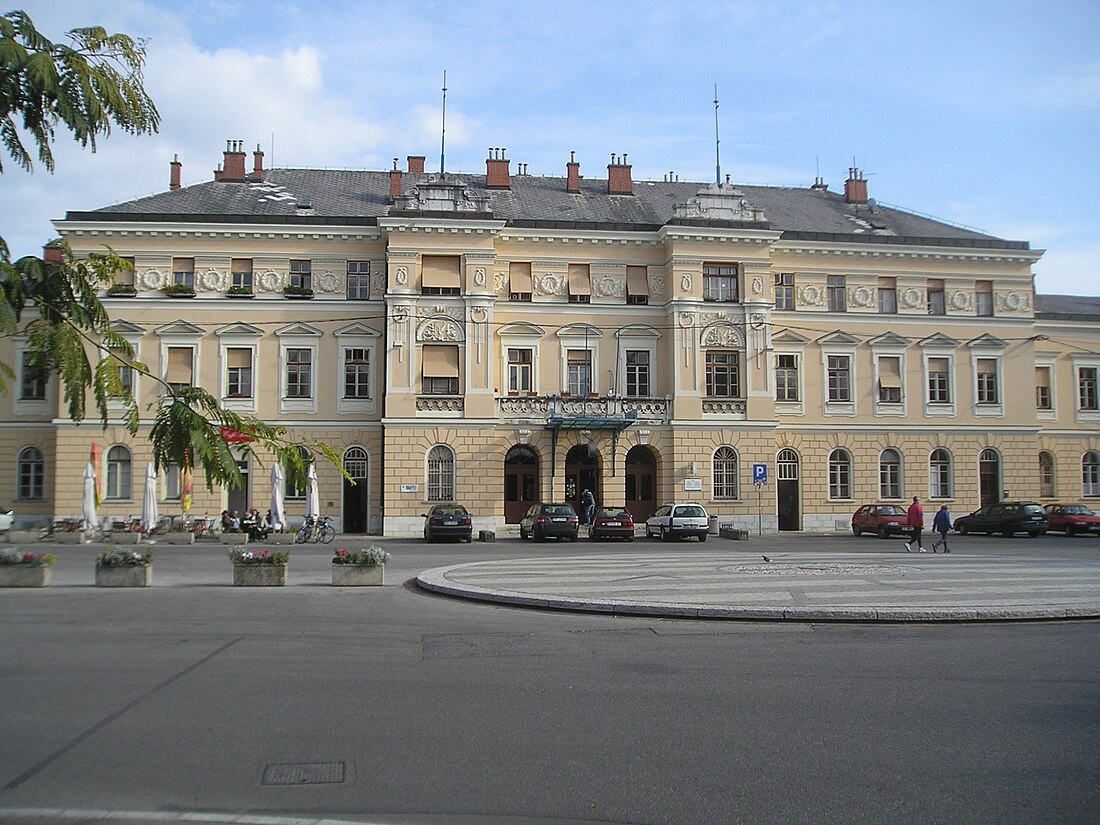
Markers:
point(7, 519)
point(671, 521)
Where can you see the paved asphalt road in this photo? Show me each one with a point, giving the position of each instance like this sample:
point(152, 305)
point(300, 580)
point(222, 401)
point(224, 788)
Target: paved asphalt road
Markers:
point(193, 700)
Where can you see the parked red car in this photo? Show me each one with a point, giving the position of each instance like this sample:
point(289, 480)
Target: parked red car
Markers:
point(612, 523)
point(884, 520)
point(1073, 519)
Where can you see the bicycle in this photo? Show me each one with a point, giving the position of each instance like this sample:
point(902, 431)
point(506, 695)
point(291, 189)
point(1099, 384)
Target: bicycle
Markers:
point(315, 531)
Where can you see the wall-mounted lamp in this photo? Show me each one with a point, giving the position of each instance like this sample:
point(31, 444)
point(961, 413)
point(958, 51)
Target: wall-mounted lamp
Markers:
point(694, 468)
point(586, 436)
point(643, 436)
point(524, 436)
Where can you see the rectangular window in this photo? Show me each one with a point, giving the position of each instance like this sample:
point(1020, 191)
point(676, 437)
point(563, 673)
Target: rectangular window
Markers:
point(836, 292)
point(32, 381)
point(579, 371)
point(1042, 389)
point(939, 387)
point(125, 276)
point(358, 286)
point(440, 371)
point(723, 374)
point(637, 285)
point(299, 373)
point(937, 304)
point(240, 274)
point(580, 284)
point(720, 282)
point(238, 376)
point(983, 297)
point(786, 378)
point(125, 373)
point(183, 272)
point(637, 373)
point(301, 274)
point(172, 481)
point(840, 377)
point(180, 371)
point(440, 275)
point(986, 369)
point(519, 370)
point(1086, 388)
point(889, 380)
point(519, 281)
point(356, 372)
point(784, 290)
point(887, 296)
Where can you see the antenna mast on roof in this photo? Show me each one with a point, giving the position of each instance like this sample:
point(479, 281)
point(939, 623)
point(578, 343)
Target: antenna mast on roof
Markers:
point(443, 137)
point(717, 157)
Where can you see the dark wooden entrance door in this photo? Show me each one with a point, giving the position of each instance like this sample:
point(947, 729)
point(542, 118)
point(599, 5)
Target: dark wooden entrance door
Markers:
point(787, 498)
point(521, 482)
point(641, 482)
point(238, 496)
point(989, 477)
point(356, 500)
point(582, 472)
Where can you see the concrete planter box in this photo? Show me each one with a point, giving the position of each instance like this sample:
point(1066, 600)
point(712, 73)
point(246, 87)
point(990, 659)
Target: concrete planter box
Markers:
point(23, 536)
point(358, 575)
point(68, 537)
point(233, 538)
point(259, 575)
point(279, 538)
point(135, 575)
point(124, 537)
point(175, 538)
point(24, 575)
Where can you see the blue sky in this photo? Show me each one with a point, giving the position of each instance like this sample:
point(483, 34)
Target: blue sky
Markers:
point(981, 113)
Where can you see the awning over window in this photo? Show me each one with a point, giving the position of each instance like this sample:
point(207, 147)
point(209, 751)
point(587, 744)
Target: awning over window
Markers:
point(1042, 377)
point(444, 271)
point(179, 365)
point(440, 361)
point(579, 282)
point(889, 372)
point(519, 277)
point(636, 281)
point(238, 357)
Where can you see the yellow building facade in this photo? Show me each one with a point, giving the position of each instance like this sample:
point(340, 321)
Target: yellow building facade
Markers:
point(503, 339)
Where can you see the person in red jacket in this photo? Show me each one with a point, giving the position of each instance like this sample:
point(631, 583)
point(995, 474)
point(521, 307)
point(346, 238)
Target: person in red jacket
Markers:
point(914, 520)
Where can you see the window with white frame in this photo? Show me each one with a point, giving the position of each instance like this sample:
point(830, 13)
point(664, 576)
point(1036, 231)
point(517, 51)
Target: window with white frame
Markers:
point(238, 372)
point(358, 280)
point(1087, 397)
point(578, 369)
point(1090, 474)
point(784, 290)
point(440, 370)
point(840, 474)
point(33, 380)
point(836, 293)
point(839, 378)
point(172, 479)
point(939, 474)
point(301, 274)
point(1043, 398)
point(987, 381)
point(520, 369)
point(180, 367)
point(889, 474)
point(1047, 483)
point(939, 380)
point(720, 282)
point(786, 377)
point(937, 303)
point(183, 272)
point(240, 277)
point(725, 473)
point(31, 474)
point(298, 376)
point(637, 373)
point(441, 473)
point(983, 298)
point(300, 489)
point(889, 379)
point(887, 296)
point(118, 473)
point(723, 374)
point(357, 373)
point(580, 284)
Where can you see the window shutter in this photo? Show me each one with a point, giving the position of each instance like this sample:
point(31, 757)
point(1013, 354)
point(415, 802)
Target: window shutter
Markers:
point(636, 281)
point(519, 277)
point(179, 365)
point(441, 271)
point(579, 281)
point(440, 362)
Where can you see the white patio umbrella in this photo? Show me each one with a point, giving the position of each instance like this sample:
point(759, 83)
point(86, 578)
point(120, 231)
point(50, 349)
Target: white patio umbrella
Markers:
point(149, 502)
point(278, 519)
point(91, 518)
point(313, 501)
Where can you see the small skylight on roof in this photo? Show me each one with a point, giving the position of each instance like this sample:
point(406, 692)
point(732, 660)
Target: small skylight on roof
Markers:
point(304, 204)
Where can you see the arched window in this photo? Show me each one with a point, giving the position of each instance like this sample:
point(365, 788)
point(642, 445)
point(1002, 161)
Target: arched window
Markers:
point(356, 462)
point(724, 473)
point(889, 474)
point(939, 474)
point(1090, 474)
point(118, 472)
point(840, 474)
point(32, 469)
point(441, 473)
point(787, 465)
point(1046, 475)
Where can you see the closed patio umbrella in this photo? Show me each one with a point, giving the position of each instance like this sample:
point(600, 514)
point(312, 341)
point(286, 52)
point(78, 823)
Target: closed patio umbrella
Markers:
point(149, 501)
point(278, 519)
point(313, 502)
point(91, 518)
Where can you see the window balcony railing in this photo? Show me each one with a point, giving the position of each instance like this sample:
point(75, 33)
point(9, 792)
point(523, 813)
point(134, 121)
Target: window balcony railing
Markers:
point(724, 406)
point(440, 403)
point(541, 408)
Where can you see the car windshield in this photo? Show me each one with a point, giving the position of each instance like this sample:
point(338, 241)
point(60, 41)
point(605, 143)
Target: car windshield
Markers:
point(890, 510)
point(613, 512)
point(1032, 509)
point(449, 510)
point(1075, 510)
point(559, 510)
point(690, 510)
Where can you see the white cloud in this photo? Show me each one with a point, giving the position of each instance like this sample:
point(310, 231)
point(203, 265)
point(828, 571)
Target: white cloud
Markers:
point(1072, 271)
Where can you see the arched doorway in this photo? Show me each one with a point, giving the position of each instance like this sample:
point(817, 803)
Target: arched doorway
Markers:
point(521, 482)
point(641, 482)
point(357, 495)
point(582, 472)
point(989, 477)
point(787, 500)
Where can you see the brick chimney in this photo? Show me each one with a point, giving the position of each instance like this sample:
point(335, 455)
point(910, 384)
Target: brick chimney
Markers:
point(233, 166)
point(572, 174)
point(395, 181)
point(258, 165)
point(416, 164)
point(176, 172)
point(855, 188)
point(496, 170)
point(52, 254)
point(618, 177)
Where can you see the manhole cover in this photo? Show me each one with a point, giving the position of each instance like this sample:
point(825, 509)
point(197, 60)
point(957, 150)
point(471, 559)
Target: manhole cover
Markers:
point(304, 773)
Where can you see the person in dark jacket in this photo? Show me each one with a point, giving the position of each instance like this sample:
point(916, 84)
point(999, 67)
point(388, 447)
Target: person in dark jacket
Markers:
point(942, 525)
point(914, 520)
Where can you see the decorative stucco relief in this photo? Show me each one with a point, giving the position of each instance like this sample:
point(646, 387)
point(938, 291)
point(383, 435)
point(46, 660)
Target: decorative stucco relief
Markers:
point(550, 284)
point(912, 298)
point(862, 296)
point(685, 283)
point(656, 285)
point(269, 281)
point(609, 286)
point(327, 281)
point(961, 300)
point(439, 329)
point(479, 276)
point(500, 282)
point(402, 275)
point(810, 296)
point(722, 335)
point(213, 280)
point(152, 279)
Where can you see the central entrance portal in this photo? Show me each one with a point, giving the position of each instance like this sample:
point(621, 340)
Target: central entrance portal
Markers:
point(521, 482)
point(641, 483)
point(582, 472)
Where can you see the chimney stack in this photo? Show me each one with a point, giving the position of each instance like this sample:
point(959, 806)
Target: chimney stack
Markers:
point(618, 177)
point(233, 165)
point(52, 254)
point(174, 176)
point(258, 165)
point(820, 185)
point(416, 164)
point(572, 174)
point(855, 188)
point(395, 182)
point(496, 170)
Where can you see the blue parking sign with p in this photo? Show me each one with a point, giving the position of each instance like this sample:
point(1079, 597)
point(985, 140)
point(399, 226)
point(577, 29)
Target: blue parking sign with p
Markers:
point(759, 473)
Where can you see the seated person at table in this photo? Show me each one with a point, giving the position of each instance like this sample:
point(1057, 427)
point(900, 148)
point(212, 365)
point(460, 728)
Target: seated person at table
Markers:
point(252, 525)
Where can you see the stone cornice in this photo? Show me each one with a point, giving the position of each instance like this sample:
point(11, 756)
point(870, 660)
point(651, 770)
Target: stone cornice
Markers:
point(927, 253)
point(141, 229)
point(440, 226)
point(578, 236)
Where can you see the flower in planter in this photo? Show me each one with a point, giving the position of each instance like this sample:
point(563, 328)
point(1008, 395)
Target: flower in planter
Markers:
point(113, 557)
point(364, 558)
point(297, 291)
point(239, 556)
point(12, 555)
point(121, 289)
point(239, 290)
point(178, 289)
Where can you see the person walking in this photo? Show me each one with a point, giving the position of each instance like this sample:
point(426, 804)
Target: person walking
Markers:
point(588, 506)
point(914, 520)
point(942, 525)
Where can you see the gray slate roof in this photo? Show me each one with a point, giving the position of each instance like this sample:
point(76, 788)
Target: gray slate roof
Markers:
point(361, 197)
point(1067, 307)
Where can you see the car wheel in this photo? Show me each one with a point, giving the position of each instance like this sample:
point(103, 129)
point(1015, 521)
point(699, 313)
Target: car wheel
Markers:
point(573, 537)
point(960, 529)
point(630, 538)
point(1006, 531)
point(702, 537)
point(1033, 534)
point(1069, 530)
point(666, 534)
point(523, 534)
point(537, 535)
point(883, 533)
point(856, 530)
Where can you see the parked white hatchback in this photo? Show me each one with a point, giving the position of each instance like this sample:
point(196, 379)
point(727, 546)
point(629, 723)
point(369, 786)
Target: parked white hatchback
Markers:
point(674, 521)
point(7, 518)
